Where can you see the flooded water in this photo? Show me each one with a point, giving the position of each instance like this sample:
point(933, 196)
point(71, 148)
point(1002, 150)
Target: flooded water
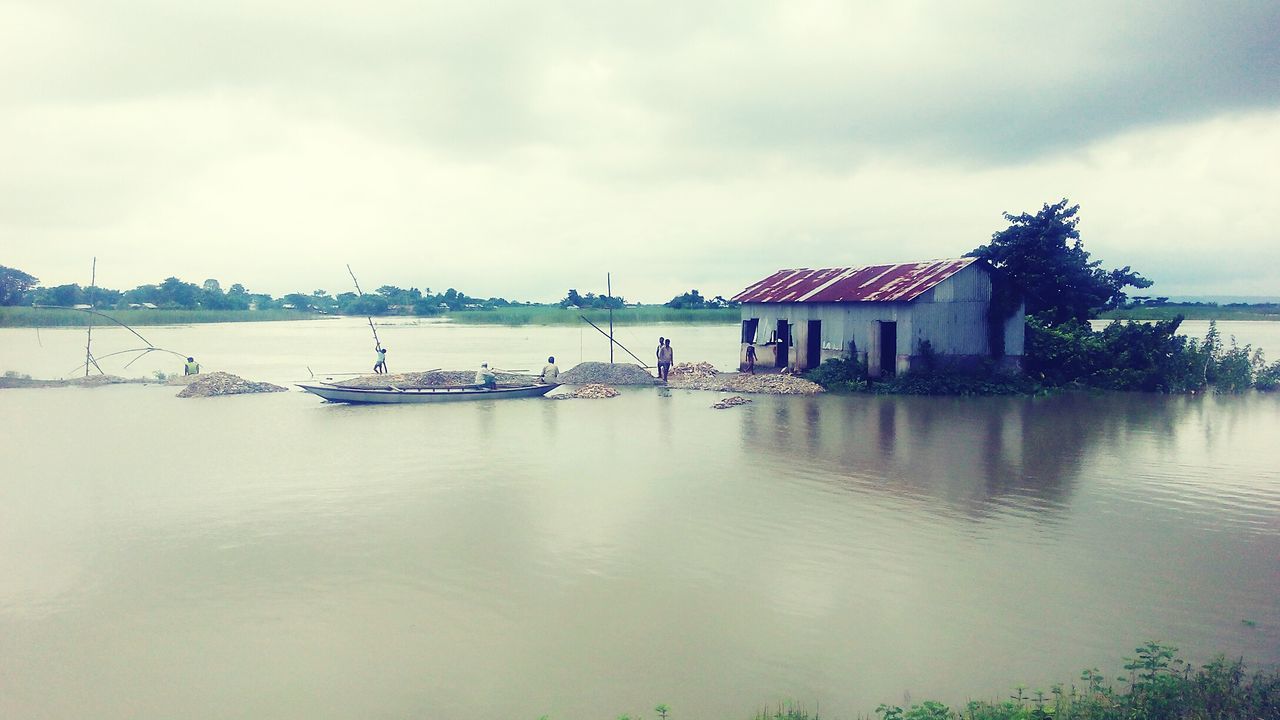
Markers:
point(275, 556)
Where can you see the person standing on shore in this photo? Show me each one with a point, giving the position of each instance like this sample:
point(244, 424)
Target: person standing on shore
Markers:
point(751, 358)
point(665, 357)
point(380, 360)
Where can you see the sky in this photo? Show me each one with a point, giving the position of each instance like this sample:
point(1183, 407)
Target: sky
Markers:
point(520, 149)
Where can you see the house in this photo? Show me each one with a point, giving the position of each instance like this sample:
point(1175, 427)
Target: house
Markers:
point(893, 317)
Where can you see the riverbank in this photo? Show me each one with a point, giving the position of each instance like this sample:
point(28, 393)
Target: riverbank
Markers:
point(518, 315)
point(10, 380)
point(31, 317)
point(1196, 311)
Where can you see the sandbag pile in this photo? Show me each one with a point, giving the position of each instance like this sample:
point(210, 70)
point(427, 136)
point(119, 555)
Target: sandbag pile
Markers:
point(606, 374)
point(215, 384)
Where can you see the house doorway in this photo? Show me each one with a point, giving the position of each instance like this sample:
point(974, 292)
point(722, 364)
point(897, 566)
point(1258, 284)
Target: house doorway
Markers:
point(784, 344)
point(813, 345)
point(888, 348)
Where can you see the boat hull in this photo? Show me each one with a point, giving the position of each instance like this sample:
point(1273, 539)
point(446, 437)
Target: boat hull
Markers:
point(393, 396)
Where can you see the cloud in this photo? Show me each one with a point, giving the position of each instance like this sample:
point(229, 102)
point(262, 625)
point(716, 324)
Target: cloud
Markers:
point(521, 149)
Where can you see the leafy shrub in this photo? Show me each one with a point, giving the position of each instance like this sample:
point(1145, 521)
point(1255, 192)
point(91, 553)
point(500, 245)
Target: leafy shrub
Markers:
point(840, 375)
point(954, 382)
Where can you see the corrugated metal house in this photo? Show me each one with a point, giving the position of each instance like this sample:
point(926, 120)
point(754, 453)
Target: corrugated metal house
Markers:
point(889, 315)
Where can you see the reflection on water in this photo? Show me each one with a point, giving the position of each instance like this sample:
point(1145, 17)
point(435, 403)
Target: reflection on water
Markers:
point(274, 556)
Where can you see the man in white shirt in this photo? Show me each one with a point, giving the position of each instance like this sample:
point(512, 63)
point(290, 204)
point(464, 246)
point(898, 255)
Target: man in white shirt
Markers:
point(550, 373)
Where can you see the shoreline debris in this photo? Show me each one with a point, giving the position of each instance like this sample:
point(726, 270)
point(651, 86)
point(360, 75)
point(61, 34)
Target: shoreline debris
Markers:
point(729, 402)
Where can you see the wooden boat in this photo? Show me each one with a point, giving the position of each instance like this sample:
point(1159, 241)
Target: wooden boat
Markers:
point(394, 395)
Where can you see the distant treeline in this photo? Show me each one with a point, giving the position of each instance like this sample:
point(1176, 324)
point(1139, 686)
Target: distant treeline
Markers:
point(20, 288)
point(1195, 311)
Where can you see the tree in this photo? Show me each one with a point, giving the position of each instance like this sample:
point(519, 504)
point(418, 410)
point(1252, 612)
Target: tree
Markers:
point(61, 295)
point(179, 293)
point(572, 299)
point(691, 300)
point(14, 285)
point(298, 301)
point(1044, 259)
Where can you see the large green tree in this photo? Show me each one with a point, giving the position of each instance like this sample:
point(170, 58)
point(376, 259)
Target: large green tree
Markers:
point(14, 285)
point(1044, 259)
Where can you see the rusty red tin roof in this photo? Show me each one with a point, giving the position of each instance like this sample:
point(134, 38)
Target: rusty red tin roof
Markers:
point(903, 282)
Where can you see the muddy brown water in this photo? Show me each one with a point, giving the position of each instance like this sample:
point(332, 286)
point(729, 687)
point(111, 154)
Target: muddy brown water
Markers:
point(275, 556)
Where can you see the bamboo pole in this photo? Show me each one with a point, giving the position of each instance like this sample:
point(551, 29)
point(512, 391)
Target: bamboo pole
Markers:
point(88, 343)
point(613, 342)
point(377, 344)
point(608, 289)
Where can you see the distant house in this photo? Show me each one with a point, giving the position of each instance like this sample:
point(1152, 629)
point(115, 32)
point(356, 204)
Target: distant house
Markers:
point(893, 317)
point(142, 306)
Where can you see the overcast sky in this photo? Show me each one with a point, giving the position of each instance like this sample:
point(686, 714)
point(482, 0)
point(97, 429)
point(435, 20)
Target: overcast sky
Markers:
point(520, 149)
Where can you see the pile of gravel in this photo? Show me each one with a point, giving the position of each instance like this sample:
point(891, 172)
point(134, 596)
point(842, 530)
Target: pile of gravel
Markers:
point(770, 384)
point(693, 371)
point(594, 391)
point(606, 374)
point(729, 402)
point(433, 378)
point(220, 383)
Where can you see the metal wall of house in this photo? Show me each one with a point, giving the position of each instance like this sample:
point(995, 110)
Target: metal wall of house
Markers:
point(951, 316)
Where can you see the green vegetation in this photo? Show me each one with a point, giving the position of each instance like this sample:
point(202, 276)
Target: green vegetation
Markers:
point(46, 317)
point(175, 301)
point(1159, 686)
point(1195, 311)
point(1044, 259)
point(1147, 357)
point(554, 315)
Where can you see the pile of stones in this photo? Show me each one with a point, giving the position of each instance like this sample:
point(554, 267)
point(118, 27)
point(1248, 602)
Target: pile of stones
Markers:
point(729, 402)
point(215, 384)
point(697, 378)
point(594, 391)
point(693, 371)
point(606, 374)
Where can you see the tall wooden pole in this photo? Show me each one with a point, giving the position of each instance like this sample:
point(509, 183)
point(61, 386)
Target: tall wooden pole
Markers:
point(376, 342)
point(608, 289)
point(88, 344)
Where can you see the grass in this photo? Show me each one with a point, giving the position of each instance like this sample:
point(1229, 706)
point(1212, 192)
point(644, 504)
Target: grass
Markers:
point(552, 315)
point(48, 317)
point(1269, 311)
point(516, 315)
point(1158, 686)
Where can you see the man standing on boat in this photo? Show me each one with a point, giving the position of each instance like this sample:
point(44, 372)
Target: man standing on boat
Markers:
point(485, 377)
point(379, 360)
point(192, 367)
point(550, 373)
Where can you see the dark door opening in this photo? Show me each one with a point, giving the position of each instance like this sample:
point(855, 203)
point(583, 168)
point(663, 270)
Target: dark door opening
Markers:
point(784, 344)
point(888, 348)
point(813, 345)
